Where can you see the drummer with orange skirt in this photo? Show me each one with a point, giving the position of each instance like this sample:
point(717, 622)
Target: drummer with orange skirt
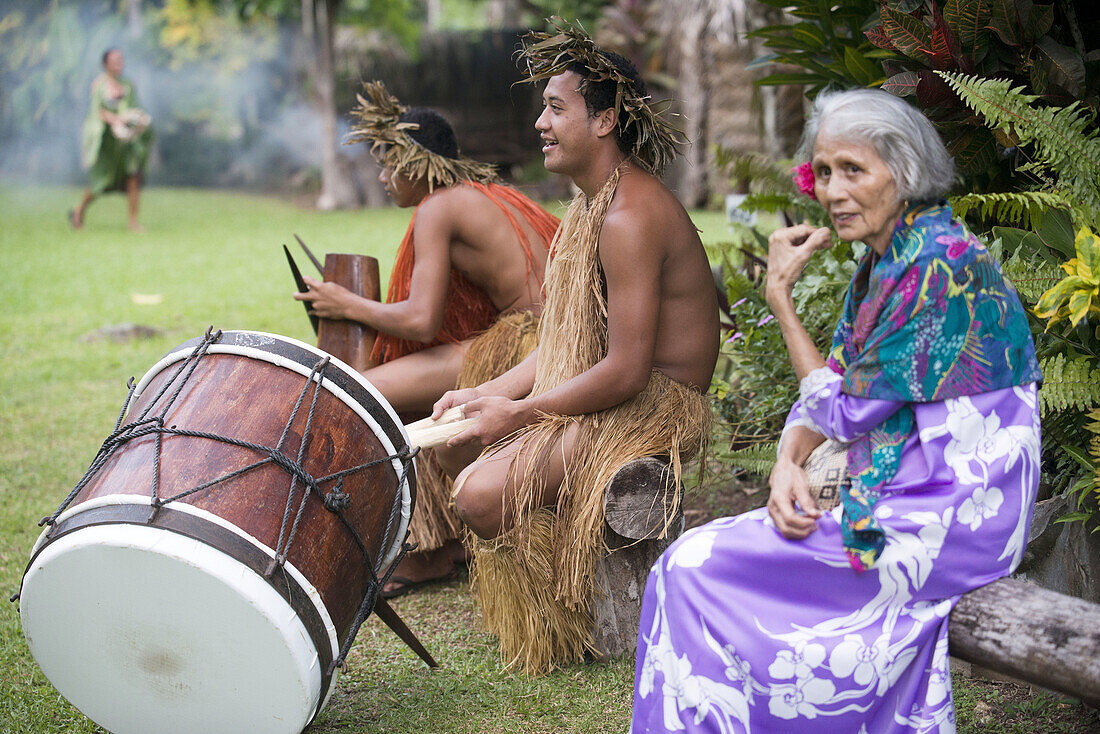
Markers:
point(464, 295)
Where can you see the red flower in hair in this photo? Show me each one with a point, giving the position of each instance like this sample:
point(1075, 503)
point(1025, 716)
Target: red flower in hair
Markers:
point(804, 179)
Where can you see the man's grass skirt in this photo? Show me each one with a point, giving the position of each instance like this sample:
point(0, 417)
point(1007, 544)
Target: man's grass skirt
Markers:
point(490, 354)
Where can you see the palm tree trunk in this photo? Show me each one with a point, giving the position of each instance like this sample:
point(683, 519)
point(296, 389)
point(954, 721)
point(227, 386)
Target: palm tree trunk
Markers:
point(337, 185)
point(133, 18)
point(694, 94)
point(504, 13)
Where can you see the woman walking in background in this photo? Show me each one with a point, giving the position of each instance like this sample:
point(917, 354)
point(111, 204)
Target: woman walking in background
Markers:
point(115, 142)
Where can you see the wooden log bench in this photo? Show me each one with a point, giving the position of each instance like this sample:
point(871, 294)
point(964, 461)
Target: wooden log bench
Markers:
point(634, 513)
point(1031, 633)
point(1009, 626)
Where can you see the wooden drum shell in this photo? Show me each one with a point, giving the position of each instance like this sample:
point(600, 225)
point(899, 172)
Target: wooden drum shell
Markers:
point(245, 388)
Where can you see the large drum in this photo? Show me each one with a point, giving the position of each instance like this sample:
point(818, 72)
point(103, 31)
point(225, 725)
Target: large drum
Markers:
point(211, 568)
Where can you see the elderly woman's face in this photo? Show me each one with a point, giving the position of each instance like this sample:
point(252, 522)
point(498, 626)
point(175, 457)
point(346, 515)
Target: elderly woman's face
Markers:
point(857, 189)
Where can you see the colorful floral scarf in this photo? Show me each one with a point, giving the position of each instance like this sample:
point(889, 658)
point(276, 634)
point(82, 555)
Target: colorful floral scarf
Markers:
point(931, 319)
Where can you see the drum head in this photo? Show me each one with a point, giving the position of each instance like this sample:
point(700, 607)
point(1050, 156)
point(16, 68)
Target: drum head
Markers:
point(146, 630)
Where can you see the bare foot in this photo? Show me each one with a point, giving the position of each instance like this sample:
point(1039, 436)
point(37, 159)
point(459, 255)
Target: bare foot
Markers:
point(419, 568)
point(135, 227)
point(75, 221)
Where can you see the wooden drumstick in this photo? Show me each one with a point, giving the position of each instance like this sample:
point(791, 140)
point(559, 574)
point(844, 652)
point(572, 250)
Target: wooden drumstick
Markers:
point(427, 433)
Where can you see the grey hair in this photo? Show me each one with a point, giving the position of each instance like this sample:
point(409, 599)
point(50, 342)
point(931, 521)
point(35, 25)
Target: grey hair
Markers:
point(899, 133)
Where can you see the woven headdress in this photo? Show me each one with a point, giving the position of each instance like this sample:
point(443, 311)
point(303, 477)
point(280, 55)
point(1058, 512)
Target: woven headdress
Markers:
point(379, 115)
point(657, 140)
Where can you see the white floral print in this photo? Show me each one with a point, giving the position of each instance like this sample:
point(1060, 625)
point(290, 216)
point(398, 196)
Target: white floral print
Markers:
point(801, 698)
point(797, 662)
point(694, 550)
point(982, 504)
point(743, 630)
point(863, 662)
point(818, 385)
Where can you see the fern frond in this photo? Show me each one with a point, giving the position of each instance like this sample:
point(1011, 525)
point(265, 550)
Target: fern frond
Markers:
point(1093, 426)
point(1064, 139)
point(1069, 384)
point(738, 286)
point(757, 460)
point(1031, 276)
point(770, 183)
point(756, 169)
point(1019, 208)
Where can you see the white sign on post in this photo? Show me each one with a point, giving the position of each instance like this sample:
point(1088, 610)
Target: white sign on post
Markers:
point(734, 212)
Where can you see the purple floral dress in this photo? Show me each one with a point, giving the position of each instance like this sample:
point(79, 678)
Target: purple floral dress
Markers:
point(745, 631)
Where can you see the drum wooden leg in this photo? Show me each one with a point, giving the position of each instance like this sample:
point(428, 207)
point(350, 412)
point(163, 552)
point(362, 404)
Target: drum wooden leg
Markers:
point(385, 612)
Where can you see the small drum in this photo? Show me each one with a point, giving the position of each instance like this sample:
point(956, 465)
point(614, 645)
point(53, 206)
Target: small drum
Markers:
point(210, 570)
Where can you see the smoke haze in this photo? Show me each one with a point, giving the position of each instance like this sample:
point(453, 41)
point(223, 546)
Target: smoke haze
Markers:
point(232, 120)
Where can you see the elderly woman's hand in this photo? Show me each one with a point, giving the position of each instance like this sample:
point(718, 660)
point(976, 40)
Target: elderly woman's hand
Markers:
point(789, 249)
point(788, 486)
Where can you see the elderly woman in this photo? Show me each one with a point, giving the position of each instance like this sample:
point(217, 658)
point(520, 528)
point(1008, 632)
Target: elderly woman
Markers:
point(789, 619)
point(115, 142)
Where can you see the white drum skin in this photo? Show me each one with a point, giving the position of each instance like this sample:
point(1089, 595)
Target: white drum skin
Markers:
point(185, 622)
point(181, 638)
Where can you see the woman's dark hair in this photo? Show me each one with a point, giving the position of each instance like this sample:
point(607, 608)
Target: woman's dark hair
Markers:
point(600, 95)
point(107, 53)
point(434, 132)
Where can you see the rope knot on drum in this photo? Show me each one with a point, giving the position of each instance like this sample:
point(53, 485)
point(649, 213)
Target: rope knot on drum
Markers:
point(158, 420)
point(253, 497)
point(337, 500)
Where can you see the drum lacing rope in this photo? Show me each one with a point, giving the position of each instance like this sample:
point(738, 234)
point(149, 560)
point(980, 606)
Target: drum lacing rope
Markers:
point(375, 585)
point(141, 427)
point(335, 502)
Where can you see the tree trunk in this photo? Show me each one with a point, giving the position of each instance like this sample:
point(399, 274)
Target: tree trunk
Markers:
point(337, 183)
point(433, 13)
point(504, 13)
point(1032, 633)
point(694, 95)
point(133, 18)
point(309, 25)
point(769, 102)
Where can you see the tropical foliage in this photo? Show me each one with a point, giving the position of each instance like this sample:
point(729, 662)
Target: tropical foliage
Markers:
point(755, 383)
point(827, 41)
point(901, 44)
point(1013, 89)
point(1063, 151)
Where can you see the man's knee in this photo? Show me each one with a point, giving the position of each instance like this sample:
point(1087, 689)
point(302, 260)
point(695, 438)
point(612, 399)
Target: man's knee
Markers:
point(479, 502)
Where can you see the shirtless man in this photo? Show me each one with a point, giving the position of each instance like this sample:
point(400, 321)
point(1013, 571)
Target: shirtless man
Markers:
point(490, 239)
point(463, 298)
point(641, 370)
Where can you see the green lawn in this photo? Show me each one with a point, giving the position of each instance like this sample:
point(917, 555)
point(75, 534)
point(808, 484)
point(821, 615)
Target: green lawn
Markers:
point(214, 258)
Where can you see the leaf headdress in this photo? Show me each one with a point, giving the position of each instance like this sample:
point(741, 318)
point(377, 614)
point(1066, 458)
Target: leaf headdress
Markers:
point(657, 141)
point(379, 115)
